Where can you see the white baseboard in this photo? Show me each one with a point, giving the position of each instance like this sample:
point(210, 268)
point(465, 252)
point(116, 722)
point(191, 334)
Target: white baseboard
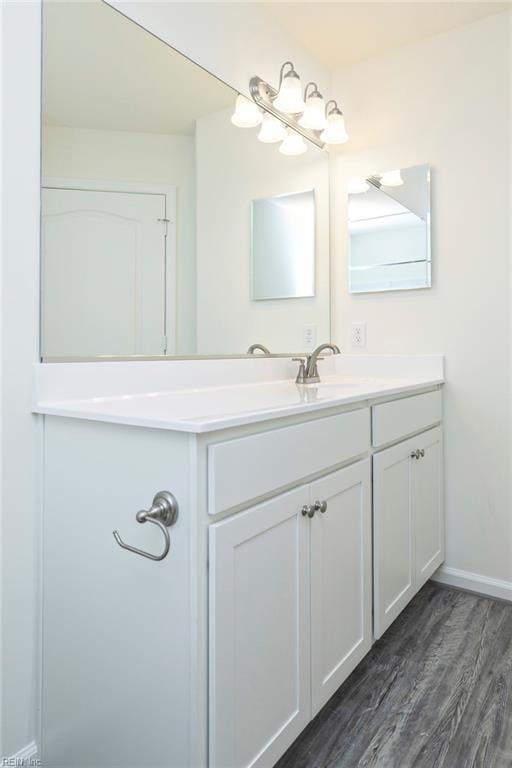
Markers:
point(473, 582)
point(25, 758)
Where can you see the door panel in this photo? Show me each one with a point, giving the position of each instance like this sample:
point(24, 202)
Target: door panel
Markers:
point(259, 632)
point(103, 273)
point(341, 590)
point(428, 507)
point(392, 533)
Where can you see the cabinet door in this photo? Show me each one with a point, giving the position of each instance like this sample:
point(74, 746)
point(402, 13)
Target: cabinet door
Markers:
point(428, 506)
point(259, 632)
point(341, 590)
point(392, 533)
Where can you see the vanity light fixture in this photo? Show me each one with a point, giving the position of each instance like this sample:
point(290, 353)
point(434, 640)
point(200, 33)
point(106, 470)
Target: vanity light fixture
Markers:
point(358, 186)
point(293, 144)
point(247, 114)
point(272, 130)
point(314, 113)
point(335, 131)
point(305, 114)
point(391, 179)
point(289, 97)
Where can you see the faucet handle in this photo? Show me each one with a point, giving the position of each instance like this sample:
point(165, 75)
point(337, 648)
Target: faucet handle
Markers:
point(301, 375)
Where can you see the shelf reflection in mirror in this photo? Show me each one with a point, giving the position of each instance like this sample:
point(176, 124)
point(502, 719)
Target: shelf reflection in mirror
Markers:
point(389, 231)
point(147, 197)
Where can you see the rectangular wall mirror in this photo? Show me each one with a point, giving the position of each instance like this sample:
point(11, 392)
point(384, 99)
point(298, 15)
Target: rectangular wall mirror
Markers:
point(153, 201)
point(389, 231)
point(283, 246)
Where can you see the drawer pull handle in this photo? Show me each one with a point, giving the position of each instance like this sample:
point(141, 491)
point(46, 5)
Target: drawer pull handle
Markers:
point(163, 513)
point(321, 506)
point(416, 454)
point(309, 510)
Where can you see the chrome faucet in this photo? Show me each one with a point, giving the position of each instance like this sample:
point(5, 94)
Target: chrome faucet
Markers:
point(308, 369)
point(254, 347)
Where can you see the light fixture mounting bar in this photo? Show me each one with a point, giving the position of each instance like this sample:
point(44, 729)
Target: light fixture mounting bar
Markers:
point(263, 94)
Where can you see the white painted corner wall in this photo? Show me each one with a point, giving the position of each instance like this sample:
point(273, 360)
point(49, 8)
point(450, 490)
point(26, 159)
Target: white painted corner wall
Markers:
point(20, 515)
point(447, 101)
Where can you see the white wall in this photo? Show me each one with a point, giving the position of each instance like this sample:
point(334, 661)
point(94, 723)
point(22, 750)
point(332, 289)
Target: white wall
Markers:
point(234, 168)
point(144, 158)
point(446, 101)
point(20, 56)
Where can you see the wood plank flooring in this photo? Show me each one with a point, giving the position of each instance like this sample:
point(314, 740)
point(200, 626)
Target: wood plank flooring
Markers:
point(434, 692)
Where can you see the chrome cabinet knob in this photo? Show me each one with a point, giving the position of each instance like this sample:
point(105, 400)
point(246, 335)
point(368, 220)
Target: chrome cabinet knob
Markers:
point(321, 506)
point(309, 510)
point(415, 454)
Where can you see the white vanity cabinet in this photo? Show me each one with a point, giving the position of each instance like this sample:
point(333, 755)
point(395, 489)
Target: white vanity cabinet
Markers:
point(408, 521)
point(290, 613)
point(220, 654)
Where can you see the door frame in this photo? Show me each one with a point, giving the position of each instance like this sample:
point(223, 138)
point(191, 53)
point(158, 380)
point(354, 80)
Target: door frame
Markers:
point(170, 194)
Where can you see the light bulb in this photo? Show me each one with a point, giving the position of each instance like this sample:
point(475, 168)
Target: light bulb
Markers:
point(246, 114)
point(335, 132)
point(293, 144)
point(358, 186)
point(391, 179)
point(289, 99)
point(314, 114)
point(271, 130)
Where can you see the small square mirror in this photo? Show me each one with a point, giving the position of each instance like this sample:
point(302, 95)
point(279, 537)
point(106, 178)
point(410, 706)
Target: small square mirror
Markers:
point(283, 246)
point(389, 231)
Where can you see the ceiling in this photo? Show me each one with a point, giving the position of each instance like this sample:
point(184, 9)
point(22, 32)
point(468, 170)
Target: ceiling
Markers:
point(102, 71)
point(342, 34)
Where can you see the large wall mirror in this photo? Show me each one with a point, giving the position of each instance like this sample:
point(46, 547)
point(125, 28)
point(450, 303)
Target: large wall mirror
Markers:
point(167, 229)
point(389, 231)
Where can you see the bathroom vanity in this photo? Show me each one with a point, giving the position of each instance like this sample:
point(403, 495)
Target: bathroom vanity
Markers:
point(221, 653)
point(221, 545)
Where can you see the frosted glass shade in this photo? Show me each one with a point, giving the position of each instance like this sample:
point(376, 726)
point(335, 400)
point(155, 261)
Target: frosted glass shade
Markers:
point(335, 132)
point(294, 144)
point(391, 179)
point(289, 99)
point(272, 130)
point(246, 114)
point(314, 115)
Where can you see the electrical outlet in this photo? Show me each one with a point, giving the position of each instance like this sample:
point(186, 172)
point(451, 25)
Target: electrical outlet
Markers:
point(359, 334)
point(309, 337)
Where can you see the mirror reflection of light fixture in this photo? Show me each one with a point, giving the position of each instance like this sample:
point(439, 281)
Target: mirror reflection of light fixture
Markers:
point(289, 98)
point(391, 179)
point(293, 144)
point(314, 114)
point(358, 186)
point(272, 130)
point(247, 114)
point(335, 131)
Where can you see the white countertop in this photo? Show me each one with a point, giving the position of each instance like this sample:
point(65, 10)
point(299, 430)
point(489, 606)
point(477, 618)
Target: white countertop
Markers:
point(208, 408)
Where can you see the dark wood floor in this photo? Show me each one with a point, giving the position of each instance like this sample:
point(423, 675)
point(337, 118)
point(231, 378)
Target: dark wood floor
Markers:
point(434, 692)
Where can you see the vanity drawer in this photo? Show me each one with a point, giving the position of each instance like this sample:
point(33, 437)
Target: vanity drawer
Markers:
point(400, 418)
point(249, 467)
